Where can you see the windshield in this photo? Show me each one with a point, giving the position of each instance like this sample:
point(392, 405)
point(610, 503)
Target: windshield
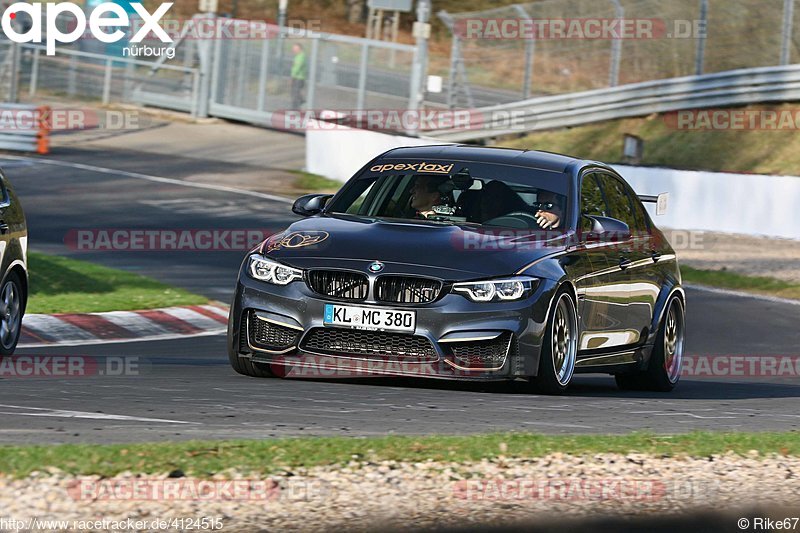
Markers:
point(481, 194)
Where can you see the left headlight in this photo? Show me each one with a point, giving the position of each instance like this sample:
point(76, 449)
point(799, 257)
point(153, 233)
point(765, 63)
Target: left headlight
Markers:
point(494, 290)
point(263, 269)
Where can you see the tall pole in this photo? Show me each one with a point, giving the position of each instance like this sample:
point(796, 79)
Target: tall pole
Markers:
point(616, 49)
point(699, 60)
point(788, 16)
point(283, 5)
point(208, 81)
point(530, 50)
point(422, 32)
point(13, 85)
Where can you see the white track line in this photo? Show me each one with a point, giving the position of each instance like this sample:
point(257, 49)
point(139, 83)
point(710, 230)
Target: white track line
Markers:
point(64, 413)
point(148, 177)
point(743, 294)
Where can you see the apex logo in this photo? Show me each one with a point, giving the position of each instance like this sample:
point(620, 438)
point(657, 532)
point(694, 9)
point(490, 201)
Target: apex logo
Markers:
point(98, 22)
point(431, 168)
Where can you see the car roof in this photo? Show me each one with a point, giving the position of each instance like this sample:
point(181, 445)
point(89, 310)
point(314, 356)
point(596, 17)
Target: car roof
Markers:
point(483, 154)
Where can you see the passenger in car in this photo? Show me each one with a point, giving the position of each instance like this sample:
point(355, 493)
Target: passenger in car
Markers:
point(498, 199)
point(549, 212)
point(468, 205)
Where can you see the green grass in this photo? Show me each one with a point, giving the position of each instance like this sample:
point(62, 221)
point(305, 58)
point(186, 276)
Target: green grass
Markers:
point(731, 280)
point(763, 152)
point(205, 458)
point(313, 183)
point(62, 285)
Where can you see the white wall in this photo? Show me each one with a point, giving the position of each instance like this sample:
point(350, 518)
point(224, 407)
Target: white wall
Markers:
point(718, 201)
point(339, 153)
point(709, 201)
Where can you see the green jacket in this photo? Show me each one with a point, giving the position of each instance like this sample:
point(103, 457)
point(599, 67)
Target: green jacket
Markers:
point(299, 66)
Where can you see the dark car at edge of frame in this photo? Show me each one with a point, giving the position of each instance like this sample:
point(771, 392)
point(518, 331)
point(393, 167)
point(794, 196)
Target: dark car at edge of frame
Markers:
point(13, 267)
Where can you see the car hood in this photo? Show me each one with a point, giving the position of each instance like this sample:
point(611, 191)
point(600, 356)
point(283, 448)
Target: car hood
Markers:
point(449, 252)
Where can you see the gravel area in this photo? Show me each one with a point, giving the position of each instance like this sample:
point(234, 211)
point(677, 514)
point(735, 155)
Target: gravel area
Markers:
point(743, 254)
point(362, 495)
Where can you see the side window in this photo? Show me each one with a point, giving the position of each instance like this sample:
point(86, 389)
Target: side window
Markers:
point(355, 207)
point(642, 224)
point(619, 203)
point(592, 202)
point(397, 205)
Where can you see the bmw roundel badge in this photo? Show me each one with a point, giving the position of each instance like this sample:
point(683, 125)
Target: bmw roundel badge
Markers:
point(376, 266)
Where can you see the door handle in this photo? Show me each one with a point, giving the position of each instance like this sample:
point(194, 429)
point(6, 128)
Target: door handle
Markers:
point(3, 227)
point(624, 263)
point(656, 255)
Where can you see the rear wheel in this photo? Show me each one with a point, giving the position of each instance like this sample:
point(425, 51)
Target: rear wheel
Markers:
point(12, 305)
point(559, 349)
point(664, 370)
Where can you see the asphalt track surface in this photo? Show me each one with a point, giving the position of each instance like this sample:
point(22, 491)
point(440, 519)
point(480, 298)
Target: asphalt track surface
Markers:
point(184, 389)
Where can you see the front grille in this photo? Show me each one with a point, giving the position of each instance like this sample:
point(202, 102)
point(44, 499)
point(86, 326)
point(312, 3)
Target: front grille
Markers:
point(358, 343)
point(339, 284)
point(481, 354)
point(268, 336)
point(407, 289)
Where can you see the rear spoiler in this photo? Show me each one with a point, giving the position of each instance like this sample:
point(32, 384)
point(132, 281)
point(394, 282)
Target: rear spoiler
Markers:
point(661, 201)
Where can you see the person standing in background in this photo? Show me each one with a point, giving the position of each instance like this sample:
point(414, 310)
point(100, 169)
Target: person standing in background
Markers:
point(298, 75)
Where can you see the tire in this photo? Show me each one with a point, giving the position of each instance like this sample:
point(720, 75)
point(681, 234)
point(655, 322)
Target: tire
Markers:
point(12, 308)
point(664, 369)
point(244, 366)
point(559, 349)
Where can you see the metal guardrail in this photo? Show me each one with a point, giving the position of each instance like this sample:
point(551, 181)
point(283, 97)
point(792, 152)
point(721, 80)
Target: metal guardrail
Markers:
point(731, 88)
point(24, 128)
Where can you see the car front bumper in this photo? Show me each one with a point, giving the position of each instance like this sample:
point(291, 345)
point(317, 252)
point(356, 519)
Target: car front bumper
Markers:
point(467, 340)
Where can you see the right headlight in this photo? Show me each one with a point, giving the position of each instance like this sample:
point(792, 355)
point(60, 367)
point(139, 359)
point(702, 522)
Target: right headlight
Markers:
point(264, 269)
point(494, 290)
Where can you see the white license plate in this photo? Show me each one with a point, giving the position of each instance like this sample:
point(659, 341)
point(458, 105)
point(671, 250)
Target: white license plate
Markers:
point(369, 318)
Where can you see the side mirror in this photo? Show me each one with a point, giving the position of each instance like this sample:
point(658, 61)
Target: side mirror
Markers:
point(310, 204)
point(608, 228)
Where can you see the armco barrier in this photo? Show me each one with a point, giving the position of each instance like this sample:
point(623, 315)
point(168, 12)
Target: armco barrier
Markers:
point(729, 88)
point(24, 128)
point(749, 204)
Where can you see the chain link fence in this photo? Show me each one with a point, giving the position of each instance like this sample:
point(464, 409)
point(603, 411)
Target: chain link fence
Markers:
point(240, 70)
point(74, 74)
point(669, 39)
point(342, 73)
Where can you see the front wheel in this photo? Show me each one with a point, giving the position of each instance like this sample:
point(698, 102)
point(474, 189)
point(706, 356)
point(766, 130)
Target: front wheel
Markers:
point(559, 349)
point(664, 369)
point(12, 305)
point(246, 367)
